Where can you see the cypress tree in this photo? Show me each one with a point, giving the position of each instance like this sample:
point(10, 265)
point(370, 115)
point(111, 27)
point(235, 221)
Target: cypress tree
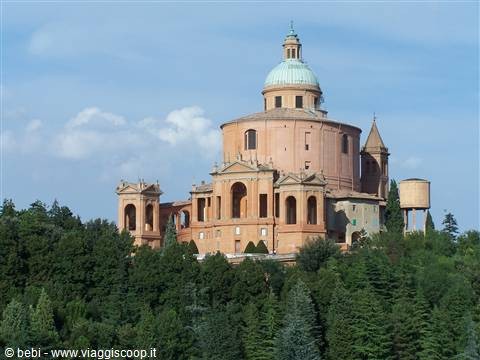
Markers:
point(42, 327)
point(14, 325)
point(296, 338)
point(393, 213)
point(192, 247)
point(250, 248)
point(170, 236)
point(450, 226)
point(429, 225)
point(261, 248)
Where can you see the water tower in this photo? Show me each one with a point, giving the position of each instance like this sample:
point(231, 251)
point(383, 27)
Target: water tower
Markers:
point(414, 196)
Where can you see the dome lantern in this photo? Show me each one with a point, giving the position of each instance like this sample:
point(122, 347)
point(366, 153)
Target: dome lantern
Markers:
point(292, 84)
point(291, 45)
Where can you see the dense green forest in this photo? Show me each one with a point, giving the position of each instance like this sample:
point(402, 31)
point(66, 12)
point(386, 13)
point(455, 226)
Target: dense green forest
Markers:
point(68, 284)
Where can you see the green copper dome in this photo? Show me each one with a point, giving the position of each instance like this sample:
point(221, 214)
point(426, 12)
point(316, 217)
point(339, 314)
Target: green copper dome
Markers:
point(291, 72)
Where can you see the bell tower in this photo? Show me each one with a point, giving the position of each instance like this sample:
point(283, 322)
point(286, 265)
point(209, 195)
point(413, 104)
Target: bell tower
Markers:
point(374, 159)
point(138, 211)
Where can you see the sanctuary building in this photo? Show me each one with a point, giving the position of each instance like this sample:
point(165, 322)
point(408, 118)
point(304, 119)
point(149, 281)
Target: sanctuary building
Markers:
point(288, 173)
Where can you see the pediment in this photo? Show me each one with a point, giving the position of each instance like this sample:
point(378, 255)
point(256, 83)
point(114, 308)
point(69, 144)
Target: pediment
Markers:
point(288, 179)
point(138, 188)
point(304, 179)
point(240, 166)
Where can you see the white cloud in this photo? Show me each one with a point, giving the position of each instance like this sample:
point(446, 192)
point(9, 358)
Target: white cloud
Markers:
point(121, 148)
point(95, 116)
point(412, 162)
point(186, 126)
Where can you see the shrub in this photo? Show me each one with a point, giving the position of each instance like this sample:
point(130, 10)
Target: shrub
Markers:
point(250, 249)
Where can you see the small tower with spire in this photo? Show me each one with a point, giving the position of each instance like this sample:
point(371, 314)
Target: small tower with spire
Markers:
point(291, 46)
point(374, 159)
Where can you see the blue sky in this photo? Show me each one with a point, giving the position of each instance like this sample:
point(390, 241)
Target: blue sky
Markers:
point(98, 92)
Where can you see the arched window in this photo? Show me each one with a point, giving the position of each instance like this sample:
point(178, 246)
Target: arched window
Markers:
point(130, 217)
point(250, 139)
point(185, 219)
point(291, 210)
point(149, 217)
point(239, 200)
point(345, 143)
point(288, 53)
point(312, 210)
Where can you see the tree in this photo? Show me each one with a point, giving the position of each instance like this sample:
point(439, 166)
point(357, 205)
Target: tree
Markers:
point(450, 226)
point(250, 248)
point(429, 225)
point(316, 252)
point(253, 335)
point(174, 343)
point(472, 349)
point(14, 325)
point(42, 327)
point(217, 279)
point(261, 248)
point(12, 254)
point(219, 335)
point(393, 213)
point(250, 283)
point(405, 331)
point(146, 330)
point(340, 325)
point(170, 236)
point(296, 339)
point(371, 338)
point(193, 247)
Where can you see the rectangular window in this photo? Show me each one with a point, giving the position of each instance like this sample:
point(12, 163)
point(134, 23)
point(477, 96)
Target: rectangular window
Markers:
point(237, 246)
point(251, 140)
point(219, 207)
point(277, 205)
point(263, 232)
point(201, 209)
point(263, 205)
point(315, 102)
point(278, 101)
point(308, 138)
point(307, 165)
point(218, 233)
point(353, 207)
point(237, 230)
point(201, 235)
point(293, 53)
point(299, 102)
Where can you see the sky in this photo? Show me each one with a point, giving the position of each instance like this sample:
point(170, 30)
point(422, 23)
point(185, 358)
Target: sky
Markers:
point(96, 92)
